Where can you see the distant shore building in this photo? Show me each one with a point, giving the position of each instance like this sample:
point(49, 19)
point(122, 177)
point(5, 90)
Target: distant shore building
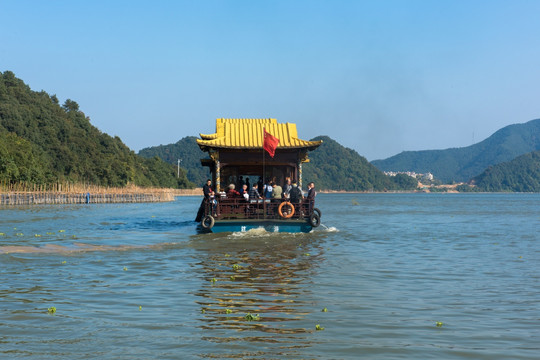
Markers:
point(427, 176)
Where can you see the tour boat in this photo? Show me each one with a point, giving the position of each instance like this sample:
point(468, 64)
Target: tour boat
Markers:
point(253, 148)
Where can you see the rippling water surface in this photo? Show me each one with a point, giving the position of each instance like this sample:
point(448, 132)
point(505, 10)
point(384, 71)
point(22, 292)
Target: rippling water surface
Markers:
point(401, 276)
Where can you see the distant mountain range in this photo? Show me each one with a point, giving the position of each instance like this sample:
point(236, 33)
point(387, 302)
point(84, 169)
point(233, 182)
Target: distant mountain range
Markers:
point(331, 166)
point(462, 164)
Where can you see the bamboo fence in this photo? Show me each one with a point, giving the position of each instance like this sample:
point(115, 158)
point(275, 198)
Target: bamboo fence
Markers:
point(31, 194)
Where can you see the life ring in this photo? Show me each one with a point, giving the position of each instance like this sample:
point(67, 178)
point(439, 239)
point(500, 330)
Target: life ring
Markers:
point(207, 222)
point(288, 215)
point(314, 220)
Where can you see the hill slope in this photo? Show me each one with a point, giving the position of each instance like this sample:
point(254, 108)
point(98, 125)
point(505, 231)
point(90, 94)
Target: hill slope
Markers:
point(519, 175)
point(42, 142)
point(187, 150)
point(335, 167)
point(461, 164)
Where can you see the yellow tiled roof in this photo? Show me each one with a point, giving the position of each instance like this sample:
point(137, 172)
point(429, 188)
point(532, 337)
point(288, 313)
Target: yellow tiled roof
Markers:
point(248, 134)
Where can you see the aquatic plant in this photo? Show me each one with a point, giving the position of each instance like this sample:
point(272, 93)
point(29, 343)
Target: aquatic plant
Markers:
point(2, 234)
point(236, 267)
point(233, 277)
point(324, 310)
point(61, 231)
point(125, 268)
point(228, 311)
point(439, 324)
point(50, 233)
point(140, 308)
point(251, 317)
point(37, 235)
point(354, 202)
point(203, 311)
point(51, 310)
point(63, 262)
point(318, 327)
point(227, 255)
point(73, 236)
point(307, 254)
point(19, 234)
point(214, 280)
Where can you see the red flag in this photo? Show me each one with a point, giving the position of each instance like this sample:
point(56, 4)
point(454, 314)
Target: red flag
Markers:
point(270, 143)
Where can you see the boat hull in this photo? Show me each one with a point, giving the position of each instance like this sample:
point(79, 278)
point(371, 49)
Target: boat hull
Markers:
point(243, 225)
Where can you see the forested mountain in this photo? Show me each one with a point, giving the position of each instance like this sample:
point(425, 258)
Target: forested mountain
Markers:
point(42, 142)
point(519, 175)
point(188, 152)
point(331, 167)
point(461, 164)
point(335, 167)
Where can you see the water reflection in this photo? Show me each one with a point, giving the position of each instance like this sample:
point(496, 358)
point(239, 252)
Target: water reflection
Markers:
point(262, 274)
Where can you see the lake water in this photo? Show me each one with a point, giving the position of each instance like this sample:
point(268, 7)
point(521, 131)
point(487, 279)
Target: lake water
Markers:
point(402, 276)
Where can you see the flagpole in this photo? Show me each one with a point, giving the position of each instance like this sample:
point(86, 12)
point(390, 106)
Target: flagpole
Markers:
point(264, 179)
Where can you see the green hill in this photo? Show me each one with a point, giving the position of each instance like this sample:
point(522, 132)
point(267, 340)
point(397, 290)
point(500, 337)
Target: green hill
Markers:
point(519, 175)
point(42, 142)
point(188, 152)
point(335, 167)
point(461, 164)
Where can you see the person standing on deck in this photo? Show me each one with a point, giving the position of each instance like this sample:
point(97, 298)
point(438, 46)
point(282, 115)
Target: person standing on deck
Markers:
point(311, 192)
point(207, 190)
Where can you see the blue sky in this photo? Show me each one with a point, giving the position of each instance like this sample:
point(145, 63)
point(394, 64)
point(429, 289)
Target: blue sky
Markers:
point(380, 77)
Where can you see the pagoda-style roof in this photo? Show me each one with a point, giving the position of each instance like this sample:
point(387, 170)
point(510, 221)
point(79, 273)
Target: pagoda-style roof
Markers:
point(248, 134)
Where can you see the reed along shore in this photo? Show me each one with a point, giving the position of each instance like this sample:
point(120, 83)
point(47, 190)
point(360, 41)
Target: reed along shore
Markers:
point(91, 195)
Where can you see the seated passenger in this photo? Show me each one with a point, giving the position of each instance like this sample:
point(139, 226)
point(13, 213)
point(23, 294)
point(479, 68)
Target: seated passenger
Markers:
point(232, 193)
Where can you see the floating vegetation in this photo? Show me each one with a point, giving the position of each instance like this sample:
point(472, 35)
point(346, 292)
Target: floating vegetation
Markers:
point(228, 311)
point(227, 255)
point(213, 281)
point(203, 311)
point(50, 233)
point(51, 310)
point(37, 235)
point(251, 317)
point(236, 267)
point(63, 262)
point(73, 236)
point(62, 231)
point(140, 308)
point(2, 234)
point(354, 202)
point(19, 234)
point(125, 268)
point(233, 277)
point(324, 310)
point(439, 324)
point(318, 327)
point(307, 254)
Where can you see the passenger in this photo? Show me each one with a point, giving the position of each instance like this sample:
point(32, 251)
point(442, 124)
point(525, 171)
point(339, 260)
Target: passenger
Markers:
point(240, 182)
point(277, 192)
point(295, 194)
point(287, 188)
point(311, 191)
point(254, 193)
point(245, 192)
point(232, 193)
point(248, 184)
point(207, 190)
point(268, 189)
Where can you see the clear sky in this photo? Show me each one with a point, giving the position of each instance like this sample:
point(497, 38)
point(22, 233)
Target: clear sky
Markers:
point(380, 77)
